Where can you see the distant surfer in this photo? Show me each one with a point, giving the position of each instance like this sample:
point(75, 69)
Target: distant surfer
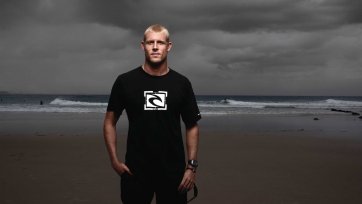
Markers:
point(225, 100)
point(41, 102)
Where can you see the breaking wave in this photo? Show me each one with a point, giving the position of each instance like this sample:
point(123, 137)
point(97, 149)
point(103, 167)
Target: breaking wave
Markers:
point(62, 102)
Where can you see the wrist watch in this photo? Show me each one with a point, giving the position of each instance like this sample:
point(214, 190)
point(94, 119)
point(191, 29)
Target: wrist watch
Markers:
point(193, 163)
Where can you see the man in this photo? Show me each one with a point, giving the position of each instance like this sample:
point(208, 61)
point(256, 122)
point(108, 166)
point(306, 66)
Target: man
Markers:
point(154, 97)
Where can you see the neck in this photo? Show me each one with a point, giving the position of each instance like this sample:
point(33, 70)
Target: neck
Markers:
point(155, 69)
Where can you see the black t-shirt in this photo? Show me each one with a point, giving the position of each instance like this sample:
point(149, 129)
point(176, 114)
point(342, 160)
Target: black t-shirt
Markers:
point(154, 105)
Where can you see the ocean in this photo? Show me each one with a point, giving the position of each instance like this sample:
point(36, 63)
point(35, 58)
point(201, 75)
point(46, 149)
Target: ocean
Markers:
point(209, 105)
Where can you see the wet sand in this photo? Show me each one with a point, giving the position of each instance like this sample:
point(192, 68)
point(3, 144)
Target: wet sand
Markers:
point(61, 158)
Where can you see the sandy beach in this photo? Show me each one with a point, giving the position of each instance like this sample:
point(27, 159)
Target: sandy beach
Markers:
point(60, 158)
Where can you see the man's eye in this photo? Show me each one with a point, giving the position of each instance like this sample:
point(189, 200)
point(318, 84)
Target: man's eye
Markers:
point(149, 43)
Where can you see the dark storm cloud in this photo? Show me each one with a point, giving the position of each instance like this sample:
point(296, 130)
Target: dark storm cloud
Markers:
point(16, 13)
point(224, 47)
point(229, 15)
point(232, 16)
point(13, 12)
point(276, 51)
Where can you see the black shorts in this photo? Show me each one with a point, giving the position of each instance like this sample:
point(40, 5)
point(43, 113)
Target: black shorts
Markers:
point(140, 189)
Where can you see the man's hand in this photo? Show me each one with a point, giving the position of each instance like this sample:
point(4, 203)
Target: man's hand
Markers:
point(188, 181)
point(120, 168)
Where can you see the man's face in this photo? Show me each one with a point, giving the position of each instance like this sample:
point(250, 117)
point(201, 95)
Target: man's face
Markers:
point(156, 47)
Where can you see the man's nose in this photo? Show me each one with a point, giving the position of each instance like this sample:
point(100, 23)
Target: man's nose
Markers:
point(155, 47)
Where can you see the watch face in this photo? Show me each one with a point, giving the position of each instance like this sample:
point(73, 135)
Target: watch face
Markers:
point(193, 163)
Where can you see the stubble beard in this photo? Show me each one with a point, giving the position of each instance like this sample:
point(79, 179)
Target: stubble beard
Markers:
point(156, 65)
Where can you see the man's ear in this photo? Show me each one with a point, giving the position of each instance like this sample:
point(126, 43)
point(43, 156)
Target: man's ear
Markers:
point(169, 46)
point(143, 45)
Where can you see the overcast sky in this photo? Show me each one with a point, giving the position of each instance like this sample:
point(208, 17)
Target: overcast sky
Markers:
point(239, 47)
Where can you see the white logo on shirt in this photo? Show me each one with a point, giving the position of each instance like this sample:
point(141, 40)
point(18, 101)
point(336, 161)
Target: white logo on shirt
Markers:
point(155, 100)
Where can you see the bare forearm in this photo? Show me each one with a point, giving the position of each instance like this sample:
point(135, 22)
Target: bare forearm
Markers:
point(110, 135)
point(110, 139)
point(192, 141)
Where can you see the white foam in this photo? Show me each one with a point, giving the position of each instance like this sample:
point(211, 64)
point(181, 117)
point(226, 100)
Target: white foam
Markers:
point(344, 103)
point(62, 102)
point(329, 103)
point(207, 107)
point(51, 109)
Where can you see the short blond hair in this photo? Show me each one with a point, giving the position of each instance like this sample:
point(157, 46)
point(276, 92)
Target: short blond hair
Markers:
point(158, 29)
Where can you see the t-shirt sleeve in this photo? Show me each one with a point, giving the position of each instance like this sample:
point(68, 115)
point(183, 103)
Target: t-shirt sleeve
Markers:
point(116, 100)
point(190, 111)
